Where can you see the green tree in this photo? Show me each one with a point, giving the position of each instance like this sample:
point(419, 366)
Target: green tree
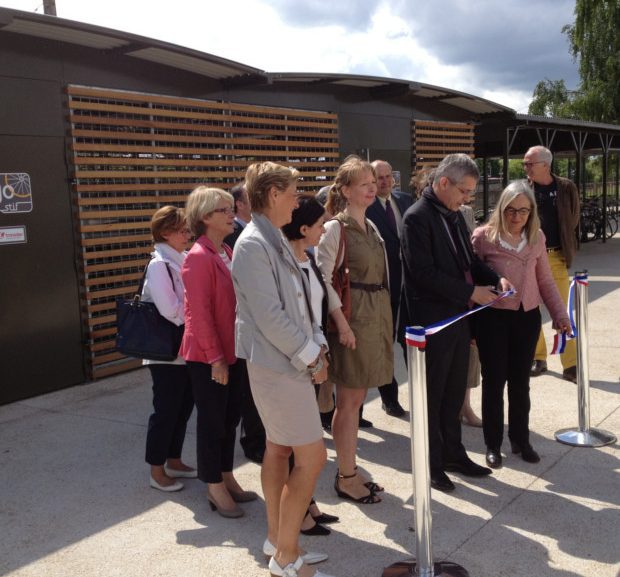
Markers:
point(595, 43)
point(551, 98)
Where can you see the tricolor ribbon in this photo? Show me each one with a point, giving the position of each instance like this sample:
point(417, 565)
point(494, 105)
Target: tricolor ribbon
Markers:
point(416, 336)
point(559, 340)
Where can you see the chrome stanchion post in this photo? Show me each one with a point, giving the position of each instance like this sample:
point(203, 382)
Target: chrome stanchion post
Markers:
point(422, 565)
point(584, 436)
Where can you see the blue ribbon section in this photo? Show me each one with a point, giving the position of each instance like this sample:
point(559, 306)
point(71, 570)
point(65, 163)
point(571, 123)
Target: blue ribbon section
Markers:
point(416, 336)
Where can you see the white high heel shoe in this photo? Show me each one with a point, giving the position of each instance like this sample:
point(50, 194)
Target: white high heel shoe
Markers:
point(291, 569)
point(309, 557)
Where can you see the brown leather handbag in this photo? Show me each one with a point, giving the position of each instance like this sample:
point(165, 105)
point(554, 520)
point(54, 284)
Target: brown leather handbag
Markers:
point(341, 281)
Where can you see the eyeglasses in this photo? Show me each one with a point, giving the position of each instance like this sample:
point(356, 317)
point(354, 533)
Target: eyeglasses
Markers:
point(530, 164)
point(462, 190)
point(514, 211)
point(226, 210)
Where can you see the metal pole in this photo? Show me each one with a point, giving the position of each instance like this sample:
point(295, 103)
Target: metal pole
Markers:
point(419, 458)
point(423, 565)
point(584, 436)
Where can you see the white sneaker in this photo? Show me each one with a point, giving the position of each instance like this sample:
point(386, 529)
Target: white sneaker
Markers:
point(309, 557)
point(291, 569)
point(176, 486)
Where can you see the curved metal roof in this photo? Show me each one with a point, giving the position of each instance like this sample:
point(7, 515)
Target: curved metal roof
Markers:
point(215, 67)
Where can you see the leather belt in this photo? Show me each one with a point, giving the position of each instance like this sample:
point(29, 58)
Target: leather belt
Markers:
point(371, 288)
point(555, 249)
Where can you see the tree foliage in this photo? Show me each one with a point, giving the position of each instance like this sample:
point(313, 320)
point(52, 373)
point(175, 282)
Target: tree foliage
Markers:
point(595, 44)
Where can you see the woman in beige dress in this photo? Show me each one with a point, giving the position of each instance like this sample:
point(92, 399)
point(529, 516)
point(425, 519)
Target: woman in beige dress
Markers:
point(361, 349)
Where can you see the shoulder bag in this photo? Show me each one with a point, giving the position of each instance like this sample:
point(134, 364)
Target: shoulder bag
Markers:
point(143, 332)
point(341, 281)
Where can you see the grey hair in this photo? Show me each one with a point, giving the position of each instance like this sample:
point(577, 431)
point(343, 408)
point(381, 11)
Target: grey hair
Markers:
point(542, 153)
point(455, 167)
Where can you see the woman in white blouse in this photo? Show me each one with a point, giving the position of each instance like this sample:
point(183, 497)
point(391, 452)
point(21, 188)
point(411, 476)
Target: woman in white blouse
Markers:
point(172, 392)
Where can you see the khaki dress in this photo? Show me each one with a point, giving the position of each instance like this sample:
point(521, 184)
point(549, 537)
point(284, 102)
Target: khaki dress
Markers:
point(371, 364)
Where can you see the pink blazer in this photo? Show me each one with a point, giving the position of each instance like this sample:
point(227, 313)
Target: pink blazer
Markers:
point(209, 305)
point(528, 271)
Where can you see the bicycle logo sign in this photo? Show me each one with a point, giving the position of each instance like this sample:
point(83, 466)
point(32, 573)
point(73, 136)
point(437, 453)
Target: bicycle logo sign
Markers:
point(15, 193)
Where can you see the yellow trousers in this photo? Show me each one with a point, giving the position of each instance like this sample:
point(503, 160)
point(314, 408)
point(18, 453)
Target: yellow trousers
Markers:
point(560, 276)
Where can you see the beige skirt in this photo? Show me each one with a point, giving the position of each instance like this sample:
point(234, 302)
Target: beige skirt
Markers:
point(286, 405)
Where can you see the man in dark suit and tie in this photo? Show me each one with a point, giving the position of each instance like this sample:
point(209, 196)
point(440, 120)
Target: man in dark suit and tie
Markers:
point(252, 437)
point(386, 212)
point(442, 277)
point(243, 214)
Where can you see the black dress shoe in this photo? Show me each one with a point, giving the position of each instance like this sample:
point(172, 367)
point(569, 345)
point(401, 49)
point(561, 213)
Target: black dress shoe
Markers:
point(494, 458)
point(538, 367)
point(365, 423)
point(527, 452)
point(441, 482)
point(393, 409)
point(467, 467)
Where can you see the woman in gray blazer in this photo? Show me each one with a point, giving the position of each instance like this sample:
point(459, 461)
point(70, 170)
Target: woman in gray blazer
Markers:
point(285, 352)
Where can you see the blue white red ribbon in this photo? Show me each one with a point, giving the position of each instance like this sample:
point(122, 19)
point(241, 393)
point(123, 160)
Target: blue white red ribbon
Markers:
point(416, 336)
point(559, 340)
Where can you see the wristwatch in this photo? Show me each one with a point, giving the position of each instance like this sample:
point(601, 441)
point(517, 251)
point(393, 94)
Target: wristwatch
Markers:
point(316, 367)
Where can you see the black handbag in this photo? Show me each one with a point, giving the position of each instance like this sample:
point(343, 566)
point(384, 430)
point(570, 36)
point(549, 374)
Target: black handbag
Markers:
point(143, 332)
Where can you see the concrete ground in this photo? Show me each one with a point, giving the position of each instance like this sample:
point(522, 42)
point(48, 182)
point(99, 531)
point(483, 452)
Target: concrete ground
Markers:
point(75, 501)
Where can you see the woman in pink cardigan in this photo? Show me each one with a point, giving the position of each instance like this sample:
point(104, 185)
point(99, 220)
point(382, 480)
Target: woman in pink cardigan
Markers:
point(514, 246)
point(208, 346)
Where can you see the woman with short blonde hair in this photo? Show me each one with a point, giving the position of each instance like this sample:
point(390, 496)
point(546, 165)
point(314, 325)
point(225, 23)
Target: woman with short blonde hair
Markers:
point(208, 347)
point(285, 351)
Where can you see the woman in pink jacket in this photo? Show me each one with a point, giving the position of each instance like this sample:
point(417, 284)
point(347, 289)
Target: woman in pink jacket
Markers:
point(513, 245)
point(208, 346)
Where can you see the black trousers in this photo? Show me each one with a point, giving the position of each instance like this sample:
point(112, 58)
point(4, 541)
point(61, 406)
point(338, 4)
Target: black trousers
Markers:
point(506, 344)
point(389, 391)
point(218, 410)
point(447, 358)
point(173, 403)
point(252, 437)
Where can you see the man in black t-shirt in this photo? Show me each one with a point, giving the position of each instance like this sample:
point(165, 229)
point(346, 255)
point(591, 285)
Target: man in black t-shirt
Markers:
point(558, 207)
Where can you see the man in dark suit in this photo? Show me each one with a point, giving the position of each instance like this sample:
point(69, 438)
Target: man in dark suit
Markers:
point(386, 212)
point(441, 274)
point(252, 437)
point(243, 214)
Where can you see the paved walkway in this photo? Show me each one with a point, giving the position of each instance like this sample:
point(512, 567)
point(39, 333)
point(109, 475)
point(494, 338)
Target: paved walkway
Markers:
point(75, 500)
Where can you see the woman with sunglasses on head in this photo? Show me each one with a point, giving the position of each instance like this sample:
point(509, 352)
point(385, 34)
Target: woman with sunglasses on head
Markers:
point(285, 351)
point(513, 245)
point(208, 347)
point(172, 391)
point(303, 233)
point(361, 346)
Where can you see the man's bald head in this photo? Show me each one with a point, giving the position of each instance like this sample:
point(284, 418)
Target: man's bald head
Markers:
point(385, 180)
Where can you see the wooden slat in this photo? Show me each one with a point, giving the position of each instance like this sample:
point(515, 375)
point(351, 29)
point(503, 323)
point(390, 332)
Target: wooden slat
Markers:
point(84, 133)
point(232, 151)
point(116, 368)
point(123, 155)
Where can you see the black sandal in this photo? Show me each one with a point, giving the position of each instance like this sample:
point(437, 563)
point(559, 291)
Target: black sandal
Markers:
point(372, 486)
point(369, 499)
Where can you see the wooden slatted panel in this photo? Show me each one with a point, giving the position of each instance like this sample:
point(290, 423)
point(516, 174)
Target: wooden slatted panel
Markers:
point(431, 141)
point(132, 153)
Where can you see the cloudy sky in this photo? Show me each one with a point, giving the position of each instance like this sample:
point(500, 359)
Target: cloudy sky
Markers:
point(496, 49)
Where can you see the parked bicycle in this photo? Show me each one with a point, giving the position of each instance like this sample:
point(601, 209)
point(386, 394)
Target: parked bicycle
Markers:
point(591, 221)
